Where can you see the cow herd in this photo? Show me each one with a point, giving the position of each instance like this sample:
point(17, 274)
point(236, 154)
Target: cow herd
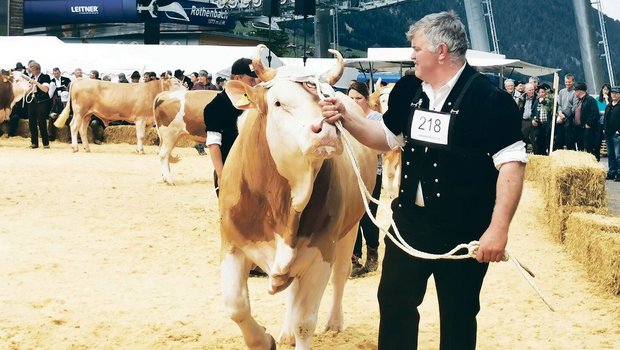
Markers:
point(289, 201)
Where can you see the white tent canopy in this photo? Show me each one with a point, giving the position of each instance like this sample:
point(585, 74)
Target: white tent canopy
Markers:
point(399, 59)
point(112, 59)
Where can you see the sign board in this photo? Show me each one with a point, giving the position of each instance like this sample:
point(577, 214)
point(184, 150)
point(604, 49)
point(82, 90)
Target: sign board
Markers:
point(56, 12)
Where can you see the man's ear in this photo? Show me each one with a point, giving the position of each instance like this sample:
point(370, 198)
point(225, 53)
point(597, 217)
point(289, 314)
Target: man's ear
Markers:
point(241, 94)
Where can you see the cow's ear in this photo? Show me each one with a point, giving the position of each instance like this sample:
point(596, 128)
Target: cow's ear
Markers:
point(240, 94)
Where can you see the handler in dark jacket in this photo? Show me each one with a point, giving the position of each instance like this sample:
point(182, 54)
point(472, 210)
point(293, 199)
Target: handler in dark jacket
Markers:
point(462, 176)
point(584, 122)
point(612, 128)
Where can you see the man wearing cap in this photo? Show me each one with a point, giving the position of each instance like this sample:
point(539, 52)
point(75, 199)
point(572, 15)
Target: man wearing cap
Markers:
point(186, 81)
point(220, 117)
point(219, 83)
point(582, 125)
point(612, 138)
point(135, 77)
point(18, 112)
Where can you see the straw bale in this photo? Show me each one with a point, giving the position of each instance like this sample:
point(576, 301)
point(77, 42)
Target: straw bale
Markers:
point(537, 169)
point(127, 134)
point(558, 218)
point(594, 240)
point(575, 179)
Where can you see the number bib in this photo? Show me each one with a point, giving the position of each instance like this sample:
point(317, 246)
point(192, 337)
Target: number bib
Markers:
point(432, 128)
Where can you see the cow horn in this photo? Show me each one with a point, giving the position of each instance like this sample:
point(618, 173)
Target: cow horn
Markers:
point(334, 74)
point(264, 74)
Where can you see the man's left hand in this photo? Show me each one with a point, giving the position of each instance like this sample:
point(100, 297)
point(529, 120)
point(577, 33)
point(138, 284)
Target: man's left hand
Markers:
point(492, 245)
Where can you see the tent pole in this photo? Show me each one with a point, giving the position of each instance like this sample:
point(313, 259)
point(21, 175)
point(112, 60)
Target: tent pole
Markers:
point(556, 85)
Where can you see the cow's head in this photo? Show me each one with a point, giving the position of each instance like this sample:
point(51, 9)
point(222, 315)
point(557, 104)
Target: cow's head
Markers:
point(378, 100)
point(169, 83)
point(13, 87)
point(287, 104)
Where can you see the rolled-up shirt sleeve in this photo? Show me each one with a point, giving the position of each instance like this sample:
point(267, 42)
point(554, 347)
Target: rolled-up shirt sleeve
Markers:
point(214, 138)
point(394, 141)
point(512, 153)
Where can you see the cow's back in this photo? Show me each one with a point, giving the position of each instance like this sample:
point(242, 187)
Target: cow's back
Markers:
point(168, 104)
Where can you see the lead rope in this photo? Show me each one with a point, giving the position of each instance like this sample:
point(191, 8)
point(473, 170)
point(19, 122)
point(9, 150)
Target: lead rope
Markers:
point(29, 96)
point(472, 247)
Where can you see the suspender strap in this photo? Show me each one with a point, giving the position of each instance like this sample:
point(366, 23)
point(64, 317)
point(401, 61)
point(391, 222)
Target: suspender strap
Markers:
point(471, 79)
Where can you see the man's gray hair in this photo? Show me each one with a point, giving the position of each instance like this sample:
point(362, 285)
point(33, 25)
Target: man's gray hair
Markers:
point(442, 27)
point(508, 81)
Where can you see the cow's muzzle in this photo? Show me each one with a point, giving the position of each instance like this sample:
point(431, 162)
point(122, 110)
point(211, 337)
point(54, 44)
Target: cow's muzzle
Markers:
point(326, 141)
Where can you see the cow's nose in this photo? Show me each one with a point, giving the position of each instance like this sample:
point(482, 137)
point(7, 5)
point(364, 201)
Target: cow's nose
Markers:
point(317, 127)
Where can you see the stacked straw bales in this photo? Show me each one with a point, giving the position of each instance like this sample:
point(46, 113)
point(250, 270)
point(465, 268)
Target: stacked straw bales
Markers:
point(574, 182)
point(573, 186)
point(594, 240)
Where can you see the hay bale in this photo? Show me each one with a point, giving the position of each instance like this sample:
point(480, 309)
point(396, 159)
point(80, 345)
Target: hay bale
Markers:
point(127, 134)
point(575, 179)
point(537, 169)
point(558, 218)
point(594, 240)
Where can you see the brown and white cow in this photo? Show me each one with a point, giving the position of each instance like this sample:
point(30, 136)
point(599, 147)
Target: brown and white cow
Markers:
point(112, 102)
point(179, 113)
point(378, 101)
point(13, 87)
point(289, 202)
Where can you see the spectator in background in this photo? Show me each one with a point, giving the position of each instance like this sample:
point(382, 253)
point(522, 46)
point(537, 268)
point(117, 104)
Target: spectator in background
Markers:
point(519, 91)
point(612, 138)
point(59, 87)
point(106, 78)
point(122, 78)
point(210, 85)
point(39, 107)
point(534, 81)
point(19, 111)
point(186, 81)
point(367, 230)
point(566, 103)
point(135, 77)
point(601, 101)
point(584, 122)
point(78, 74)
point(540, 122)
point(527, 104)
point(201, 82)
point(94, 74)
point(220, 82)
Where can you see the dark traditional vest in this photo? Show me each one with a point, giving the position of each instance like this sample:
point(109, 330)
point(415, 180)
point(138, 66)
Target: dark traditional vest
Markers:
point(458, 181)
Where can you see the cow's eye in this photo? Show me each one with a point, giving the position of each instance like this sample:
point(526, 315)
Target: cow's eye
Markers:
point(278, 104)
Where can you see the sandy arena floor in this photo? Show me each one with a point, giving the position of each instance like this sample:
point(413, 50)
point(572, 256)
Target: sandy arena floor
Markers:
point(97, 253)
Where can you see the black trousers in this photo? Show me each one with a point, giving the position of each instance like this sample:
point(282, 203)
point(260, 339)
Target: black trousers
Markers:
point(542, 140)
point(17, 113)
point(37, 120)
point(370, 231)
point(403, 286)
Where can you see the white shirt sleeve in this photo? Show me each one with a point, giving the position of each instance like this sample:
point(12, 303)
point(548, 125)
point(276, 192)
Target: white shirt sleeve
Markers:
point(214, 137)
point(52, 89)
point(512, 153)
point(393, 141)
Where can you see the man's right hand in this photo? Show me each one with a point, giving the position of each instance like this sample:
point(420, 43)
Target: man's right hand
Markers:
point(332, 109)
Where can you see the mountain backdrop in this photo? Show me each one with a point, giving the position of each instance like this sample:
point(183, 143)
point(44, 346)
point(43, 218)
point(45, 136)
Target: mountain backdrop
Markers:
point(539, 32)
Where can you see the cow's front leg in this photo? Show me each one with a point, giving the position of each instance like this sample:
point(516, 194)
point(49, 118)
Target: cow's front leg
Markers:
point(140, 133)
point(340, 274)
point(234, 271)
point(302, 305)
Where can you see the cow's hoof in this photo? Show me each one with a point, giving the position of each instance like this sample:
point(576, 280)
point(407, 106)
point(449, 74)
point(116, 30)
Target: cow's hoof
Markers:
point(75, 149)
point(140, 151)
point(286, 338)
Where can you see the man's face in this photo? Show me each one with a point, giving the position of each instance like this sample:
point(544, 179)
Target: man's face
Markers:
point(580, 94)
point(249, 80)
point(510, 87)
point(529, 90)
point(521, 88)
point(569, 82)
point(147, 78)
point(78, 73)
point(615, 97)
point(426, 62)
point(56, 73)
point(92, 75)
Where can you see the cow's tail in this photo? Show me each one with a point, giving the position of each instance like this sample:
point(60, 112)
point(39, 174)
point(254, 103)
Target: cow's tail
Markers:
point(64, 115)
point(174, 158)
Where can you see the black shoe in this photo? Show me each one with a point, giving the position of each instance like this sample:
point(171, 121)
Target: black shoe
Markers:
point(257, 272)
point(33, 146)
point(46, 146)
point(372, 259)
point(200, 148)
point(97, 142)
point(358, 270)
